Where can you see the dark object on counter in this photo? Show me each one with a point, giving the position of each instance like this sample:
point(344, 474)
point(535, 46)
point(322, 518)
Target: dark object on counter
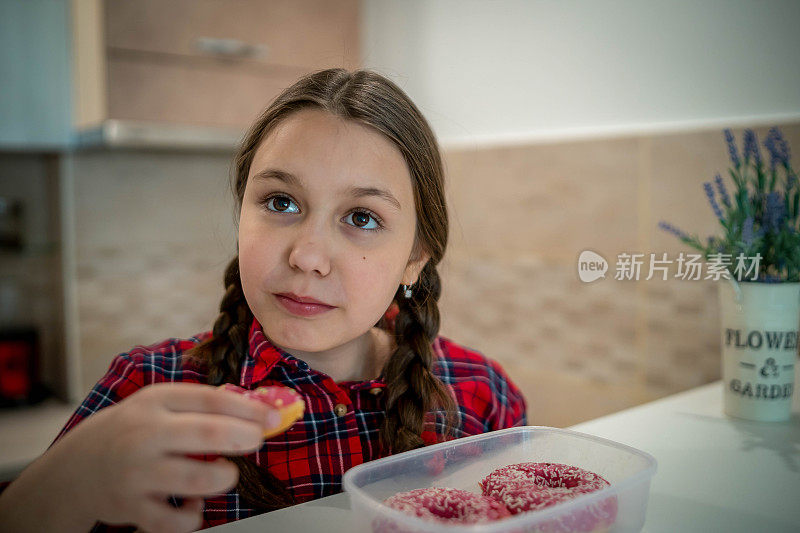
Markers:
point(10, 224)
point(20, 382)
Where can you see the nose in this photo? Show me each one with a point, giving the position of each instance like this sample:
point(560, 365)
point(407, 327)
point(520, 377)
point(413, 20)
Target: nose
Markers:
point(309, 251)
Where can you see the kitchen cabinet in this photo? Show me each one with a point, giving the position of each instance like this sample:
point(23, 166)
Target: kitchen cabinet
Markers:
point(207, 63)
point(183, 72)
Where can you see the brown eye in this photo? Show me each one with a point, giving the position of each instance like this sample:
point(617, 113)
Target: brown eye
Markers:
point(365, 220)
point(361, 219)
point(280, 204)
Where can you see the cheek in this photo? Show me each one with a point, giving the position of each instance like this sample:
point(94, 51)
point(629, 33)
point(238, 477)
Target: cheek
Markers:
point(257, 254)
point(374, 275)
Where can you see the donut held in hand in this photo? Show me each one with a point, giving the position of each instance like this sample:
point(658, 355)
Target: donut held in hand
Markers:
point(287, 402)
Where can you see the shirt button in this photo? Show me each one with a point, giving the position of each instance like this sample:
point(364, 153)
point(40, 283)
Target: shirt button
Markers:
point(302, 365)
point(375, 391)
point(340, 409)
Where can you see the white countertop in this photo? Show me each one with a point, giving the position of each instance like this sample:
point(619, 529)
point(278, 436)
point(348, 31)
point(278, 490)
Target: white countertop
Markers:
point(715, 473)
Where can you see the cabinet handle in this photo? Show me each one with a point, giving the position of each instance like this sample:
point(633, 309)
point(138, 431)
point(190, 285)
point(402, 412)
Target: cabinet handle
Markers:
point(229, 47)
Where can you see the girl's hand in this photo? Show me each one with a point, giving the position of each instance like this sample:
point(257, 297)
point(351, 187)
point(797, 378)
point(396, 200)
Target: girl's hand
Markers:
point(126, 459)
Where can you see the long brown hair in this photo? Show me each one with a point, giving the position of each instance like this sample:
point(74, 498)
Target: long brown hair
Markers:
point(412, 390)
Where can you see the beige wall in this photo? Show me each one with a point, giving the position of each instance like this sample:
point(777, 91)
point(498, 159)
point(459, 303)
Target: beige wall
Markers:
point(154, 233)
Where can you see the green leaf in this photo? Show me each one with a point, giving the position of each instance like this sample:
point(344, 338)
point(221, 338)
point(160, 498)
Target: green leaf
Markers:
point(744, 205)
point(735, 178)
point(787, 205)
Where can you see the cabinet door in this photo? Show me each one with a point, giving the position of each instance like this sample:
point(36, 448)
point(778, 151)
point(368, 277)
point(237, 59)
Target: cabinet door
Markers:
point(227, 96)
point(158, 70)
point(298, 33)
point(35, 78)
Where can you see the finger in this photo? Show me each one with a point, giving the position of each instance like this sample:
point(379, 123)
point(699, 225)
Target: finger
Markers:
point(193, 504)
point(190, 478)
point(159, 516)
point(195, 397)
point(207, 433)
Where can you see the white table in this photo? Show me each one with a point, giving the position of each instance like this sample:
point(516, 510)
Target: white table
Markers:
point(714, 473)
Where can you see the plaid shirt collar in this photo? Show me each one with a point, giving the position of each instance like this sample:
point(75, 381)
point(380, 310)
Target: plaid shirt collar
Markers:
point(263, 356)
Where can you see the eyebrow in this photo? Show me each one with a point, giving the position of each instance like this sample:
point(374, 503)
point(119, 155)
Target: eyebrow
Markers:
point(355, 191)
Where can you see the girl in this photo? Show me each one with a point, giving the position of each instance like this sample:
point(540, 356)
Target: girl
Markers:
point(334, 291)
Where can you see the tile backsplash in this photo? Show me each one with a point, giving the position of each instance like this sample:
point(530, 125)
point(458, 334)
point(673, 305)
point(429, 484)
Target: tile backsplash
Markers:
point(155, 232)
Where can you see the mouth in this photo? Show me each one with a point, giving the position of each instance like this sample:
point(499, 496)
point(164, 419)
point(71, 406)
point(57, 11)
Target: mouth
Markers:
point(302, 299)
point(304, 306)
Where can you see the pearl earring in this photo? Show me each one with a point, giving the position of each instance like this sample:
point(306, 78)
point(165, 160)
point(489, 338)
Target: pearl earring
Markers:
point(407, 291)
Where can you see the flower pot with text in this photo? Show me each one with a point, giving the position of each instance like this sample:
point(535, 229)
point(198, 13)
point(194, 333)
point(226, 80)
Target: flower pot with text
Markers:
point(759, 335)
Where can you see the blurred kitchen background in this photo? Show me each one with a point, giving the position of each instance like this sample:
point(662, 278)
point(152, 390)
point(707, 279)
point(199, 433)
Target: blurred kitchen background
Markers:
point(565, 126)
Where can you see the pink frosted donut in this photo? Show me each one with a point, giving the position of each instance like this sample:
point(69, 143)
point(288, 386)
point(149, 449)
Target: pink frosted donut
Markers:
point(454, 506)
point(287, 402)
point(533, 486)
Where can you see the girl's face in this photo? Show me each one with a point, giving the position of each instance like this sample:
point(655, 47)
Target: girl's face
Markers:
point(328, 213)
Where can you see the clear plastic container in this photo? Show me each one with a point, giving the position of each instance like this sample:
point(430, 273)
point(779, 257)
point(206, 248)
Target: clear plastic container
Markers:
point(463, 463)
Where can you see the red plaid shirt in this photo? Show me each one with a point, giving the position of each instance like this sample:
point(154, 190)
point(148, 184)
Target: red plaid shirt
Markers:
point(313, 455)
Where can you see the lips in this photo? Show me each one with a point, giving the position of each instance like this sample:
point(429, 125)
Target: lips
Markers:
point(303, 306)
point(303, 299)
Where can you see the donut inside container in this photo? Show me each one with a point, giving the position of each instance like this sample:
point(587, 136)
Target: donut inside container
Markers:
point(464, 463)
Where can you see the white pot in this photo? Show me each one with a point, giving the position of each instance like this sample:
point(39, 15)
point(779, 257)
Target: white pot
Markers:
point(760, 323)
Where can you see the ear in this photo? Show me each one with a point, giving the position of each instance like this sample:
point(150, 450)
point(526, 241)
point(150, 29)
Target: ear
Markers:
point(414, 267)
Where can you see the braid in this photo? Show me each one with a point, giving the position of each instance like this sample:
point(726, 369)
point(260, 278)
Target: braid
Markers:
point(222, 355)
point(412, 388)
point(226, 349)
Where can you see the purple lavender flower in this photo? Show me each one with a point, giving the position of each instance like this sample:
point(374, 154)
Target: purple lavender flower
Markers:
point(723, 193)
point(747, 231)
point(672, 229)
point(711, 200)
point(791, 182)
point(751, 147)
point(732, 151)
point(774, 212)
point(778, 148)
